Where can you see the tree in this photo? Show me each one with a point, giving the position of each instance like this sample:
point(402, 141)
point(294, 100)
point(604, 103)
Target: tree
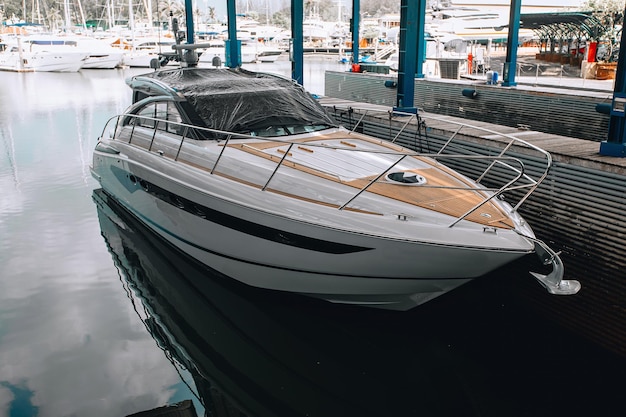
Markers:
point(282, 20)
point(610, 16)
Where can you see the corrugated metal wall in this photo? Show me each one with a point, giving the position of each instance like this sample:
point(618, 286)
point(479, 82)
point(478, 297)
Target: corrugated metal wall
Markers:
point(565, 114)
point(580, 211)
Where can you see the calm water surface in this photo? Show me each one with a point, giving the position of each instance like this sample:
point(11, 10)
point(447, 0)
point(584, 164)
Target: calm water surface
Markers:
point(100, 318)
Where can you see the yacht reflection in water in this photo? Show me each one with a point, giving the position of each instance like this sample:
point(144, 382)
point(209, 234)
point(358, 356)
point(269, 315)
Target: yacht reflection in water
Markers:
point(264, 353)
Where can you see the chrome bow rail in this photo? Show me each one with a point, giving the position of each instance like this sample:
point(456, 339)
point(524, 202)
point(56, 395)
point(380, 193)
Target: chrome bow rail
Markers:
point(516, 179)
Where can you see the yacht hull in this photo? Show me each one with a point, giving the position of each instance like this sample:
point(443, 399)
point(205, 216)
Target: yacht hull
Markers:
point(104, 60)
point(42, 61)
point(274, 252)
point(248, 174)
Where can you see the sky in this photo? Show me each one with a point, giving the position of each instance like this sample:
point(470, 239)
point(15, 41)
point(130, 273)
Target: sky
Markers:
point(220, 6)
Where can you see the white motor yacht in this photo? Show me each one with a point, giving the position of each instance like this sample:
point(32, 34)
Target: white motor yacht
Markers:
point(247, 173)
point(23, 55)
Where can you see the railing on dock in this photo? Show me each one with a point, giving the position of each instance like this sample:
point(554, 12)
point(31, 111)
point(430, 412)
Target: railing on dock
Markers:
point(167, 138)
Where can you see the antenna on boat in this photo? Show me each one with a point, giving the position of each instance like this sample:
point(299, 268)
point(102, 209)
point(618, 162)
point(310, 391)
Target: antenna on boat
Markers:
point(186, 53)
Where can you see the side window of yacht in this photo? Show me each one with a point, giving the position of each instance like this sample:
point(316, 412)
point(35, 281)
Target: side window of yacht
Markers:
point(148, 111)
point(174, 116)
point(167, 113)
point(161, 114)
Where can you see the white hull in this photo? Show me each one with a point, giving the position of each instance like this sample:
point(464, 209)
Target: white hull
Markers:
point(14, 62)
point(139, 60)
point(269, 55)
point(104, 60)
point(249, 54)
point(42, 61)
point(53, 62)
point(386, 271)
point(207, 55)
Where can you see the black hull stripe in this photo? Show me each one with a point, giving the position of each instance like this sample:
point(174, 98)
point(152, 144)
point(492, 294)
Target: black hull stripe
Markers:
point(240, 225)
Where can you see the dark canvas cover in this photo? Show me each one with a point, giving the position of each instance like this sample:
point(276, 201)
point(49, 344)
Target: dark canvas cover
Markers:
point(236, 100)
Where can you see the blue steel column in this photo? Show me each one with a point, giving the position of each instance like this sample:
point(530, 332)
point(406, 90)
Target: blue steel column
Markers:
point(189, 21)
point(420, 49)
point(407, 54)
point(233, 45)
point(508, 72)
point(296, 50)
point(615, 145)
point(354, 28)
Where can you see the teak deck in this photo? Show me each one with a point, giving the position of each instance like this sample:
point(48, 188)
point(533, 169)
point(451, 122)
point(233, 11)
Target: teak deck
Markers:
point(446, 192)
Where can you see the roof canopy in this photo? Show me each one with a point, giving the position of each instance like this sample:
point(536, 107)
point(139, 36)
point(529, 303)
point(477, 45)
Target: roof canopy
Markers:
point(236, 100)
point(560, 25)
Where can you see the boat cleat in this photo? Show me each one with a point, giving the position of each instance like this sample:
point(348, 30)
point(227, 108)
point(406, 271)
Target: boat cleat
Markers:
point(553, 282)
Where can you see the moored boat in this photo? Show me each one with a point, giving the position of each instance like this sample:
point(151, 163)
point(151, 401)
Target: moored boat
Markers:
point(268, 53)
point(248, 174)
point(23, 55)
point(143, 50)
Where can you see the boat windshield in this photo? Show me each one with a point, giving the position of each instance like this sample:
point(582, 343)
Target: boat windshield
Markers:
point(284, 130)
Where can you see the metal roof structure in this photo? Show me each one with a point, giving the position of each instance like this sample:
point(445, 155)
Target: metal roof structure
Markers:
point(565, 24)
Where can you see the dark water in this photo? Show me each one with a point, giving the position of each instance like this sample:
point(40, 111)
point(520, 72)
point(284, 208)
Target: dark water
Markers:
point(100, 318)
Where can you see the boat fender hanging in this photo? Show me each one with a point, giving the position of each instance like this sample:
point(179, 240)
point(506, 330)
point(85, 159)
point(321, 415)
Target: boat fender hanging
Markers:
point(470, 92)
point(391, 84)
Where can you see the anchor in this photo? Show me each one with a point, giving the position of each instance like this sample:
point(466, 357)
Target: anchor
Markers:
point(553, 282)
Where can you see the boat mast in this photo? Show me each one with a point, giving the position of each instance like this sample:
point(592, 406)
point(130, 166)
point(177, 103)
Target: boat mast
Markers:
point(109, 7)
point(66, 11)
point(148, 6)
point(82, 15)
point(131, 21)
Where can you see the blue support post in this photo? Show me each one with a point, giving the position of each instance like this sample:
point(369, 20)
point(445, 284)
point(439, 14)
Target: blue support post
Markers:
point(510, 63)
point(354, 28)
point(190, 57)
point(233, 45)
point(407, 54)
point(421, 38)
point(296, 50)
point(615, 145)
point(189, 21)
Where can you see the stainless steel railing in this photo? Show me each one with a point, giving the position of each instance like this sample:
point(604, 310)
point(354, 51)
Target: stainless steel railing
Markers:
point(517, 178)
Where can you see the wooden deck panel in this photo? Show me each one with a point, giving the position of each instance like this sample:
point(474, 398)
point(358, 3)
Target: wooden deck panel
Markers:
point(451, 201)
point(443, 192)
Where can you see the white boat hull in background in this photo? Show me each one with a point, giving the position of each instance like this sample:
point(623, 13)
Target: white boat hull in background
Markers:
point(104, 60)
point(42, 61)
